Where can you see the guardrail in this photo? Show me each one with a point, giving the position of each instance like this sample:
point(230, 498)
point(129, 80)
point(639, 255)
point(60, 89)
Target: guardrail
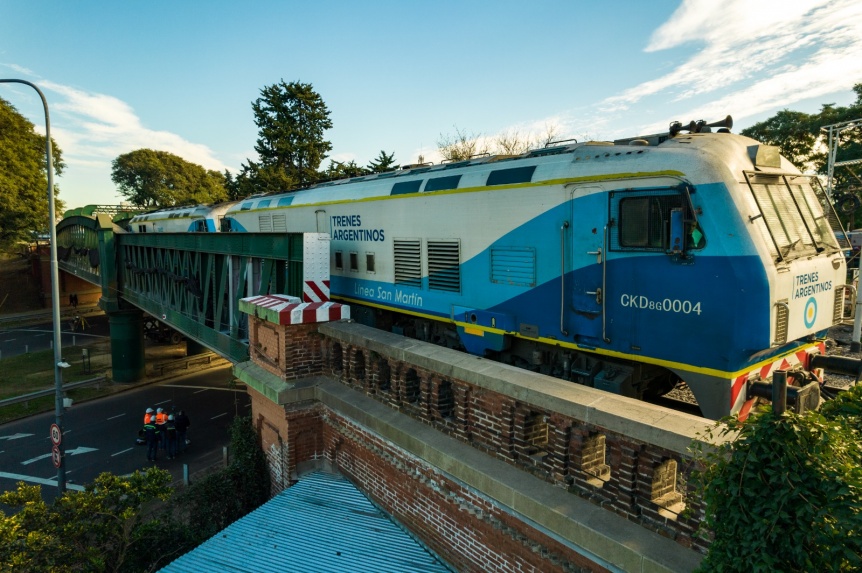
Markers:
point(184, 363)
point(50, 392)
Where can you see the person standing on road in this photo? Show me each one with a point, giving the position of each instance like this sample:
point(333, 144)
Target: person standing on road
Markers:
point(182, 423)
point(171, 437)
point(149, 416)
point(151, 435)
point(161, 420)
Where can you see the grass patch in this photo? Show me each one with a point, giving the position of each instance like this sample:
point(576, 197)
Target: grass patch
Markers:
point(33, 372)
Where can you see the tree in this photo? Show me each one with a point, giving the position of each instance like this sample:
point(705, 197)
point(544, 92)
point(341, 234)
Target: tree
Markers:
point(800, 139)
point(23, 177)
point(383, 162)
point(340, 170)
point(461, 146)
point(160, 179)
point(291, 119)
point(93, 530)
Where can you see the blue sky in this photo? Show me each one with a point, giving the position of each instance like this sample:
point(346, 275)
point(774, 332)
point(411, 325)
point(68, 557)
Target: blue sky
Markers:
point(398, 75)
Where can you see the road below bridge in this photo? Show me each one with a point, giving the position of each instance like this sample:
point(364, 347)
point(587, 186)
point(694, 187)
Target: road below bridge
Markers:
point(99, 436)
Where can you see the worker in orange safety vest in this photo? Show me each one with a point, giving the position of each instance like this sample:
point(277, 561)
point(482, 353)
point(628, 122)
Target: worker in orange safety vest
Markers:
point(160, 421)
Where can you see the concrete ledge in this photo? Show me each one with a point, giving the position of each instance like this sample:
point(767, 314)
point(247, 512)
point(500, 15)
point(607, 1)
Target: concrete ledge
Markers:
point(274, 388)
point(673, 431)
point(604, 537)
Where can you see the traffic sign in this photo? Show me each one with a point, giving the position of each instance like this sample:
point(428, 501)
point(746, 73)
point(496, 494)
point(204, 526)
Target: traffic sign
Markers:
point(55, 456)
point(56, 435)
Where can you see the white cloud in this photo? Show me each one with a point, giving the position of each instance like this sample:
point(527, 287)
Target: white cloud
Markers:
point(98, 127)
point(756, 56)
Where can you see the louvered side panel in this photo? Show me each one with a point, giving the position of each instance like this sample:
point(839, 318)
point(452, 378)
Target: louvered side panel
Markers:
point(444, 265)
point(513, 266)
point(408, 262)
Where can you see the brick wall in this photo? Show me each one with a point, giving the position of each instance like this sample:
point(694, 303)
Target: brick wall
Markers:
point(468, 530)
point(513, 431)
point(288, 352)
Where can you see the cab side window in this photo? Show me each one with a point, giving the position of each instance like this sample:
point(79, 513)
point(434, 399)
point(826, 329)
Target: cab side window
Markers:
point(643, 221)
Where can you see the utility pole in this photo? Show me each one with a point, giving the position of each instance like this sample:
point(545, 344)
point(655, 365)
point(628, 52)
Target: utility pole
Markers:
point(56, 434)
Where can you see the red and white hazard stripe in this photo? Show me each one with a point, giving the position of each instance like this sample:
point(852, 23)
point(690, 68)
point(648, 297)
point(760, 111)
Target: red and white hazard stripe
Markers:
point(738, 400)
point(315, 291)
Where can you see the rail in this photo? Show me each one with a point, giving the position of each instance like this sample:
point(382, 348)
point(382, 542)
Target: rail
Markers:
point(50, 391)
point(183, 363)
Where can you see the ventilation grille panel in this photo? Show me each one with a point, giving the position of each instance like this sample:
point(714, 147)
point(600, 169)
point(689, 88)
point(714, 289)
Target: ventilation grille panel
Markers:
point(782, 317)
point(444, 265)
point(265, 222)
point(408, 262)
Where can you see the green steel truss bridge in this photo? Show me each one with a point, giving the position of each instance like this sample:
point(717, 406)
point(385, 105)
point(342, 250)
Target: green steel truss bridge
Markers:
point(191, 281)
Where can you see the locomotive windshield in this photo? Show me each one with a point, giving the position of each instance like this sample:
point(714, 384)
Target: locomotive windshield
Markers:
point(795, 211)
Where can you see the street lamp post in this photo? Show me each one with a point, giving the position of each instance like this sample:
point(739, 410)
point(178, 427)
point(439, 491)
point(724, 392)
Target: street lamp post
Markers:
point(55, 294)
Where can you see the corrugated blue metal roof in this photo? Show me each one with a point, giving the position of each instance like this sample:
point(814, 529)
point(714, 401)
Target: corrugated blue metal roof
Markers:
point(322, 524)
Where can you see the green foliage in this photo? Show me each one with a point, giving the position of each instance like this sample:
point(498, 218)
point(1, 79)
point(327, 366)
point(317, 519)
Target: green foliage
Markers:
point(339, 170)
point(249, 466)
point(383, 162)
point(291, 119)
point(23, 177)
point(131, 524)
point(93, 530)
point(793, 132)
point(151, 178)
point(785, 494)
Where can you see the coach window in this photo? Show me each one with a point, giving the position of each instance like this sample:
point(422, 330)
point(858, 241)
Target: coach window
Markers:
point(369, 262)
point(354, 261)
point(339, 261)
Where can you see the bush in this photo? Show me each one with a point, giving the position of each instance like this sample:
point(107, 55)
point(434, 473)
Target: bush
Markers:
point(786, 493)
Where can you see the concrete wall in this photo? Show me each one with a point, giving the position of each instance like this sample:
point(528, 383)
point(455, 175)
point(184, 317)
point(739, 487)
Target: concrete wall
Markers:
point(494, 468)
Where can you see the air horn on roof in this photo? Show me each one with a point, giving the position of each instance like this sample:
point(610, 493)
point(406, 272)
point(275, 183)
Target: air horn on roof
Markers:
point(698, 126)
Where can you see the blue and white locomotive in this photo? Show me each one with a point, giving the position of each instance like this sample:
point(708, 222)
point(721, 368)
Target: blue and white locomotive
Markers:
point(629, 266)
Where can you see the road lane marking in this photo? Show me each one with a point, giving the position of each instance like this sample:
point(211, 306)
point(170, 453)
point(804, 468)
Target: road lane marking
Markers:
point(10, 340)
point(17, 436)
point(41, 481)
point(117, 416)
point(123, 452)
point(75, 452)
point(42, 457)
point(163, 402)
point(213, 418)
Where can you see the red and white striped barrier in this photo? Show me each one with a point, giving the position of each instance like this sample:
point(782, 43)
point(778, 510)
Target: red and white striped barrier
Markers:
point(316, 291)
point(284, 309)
